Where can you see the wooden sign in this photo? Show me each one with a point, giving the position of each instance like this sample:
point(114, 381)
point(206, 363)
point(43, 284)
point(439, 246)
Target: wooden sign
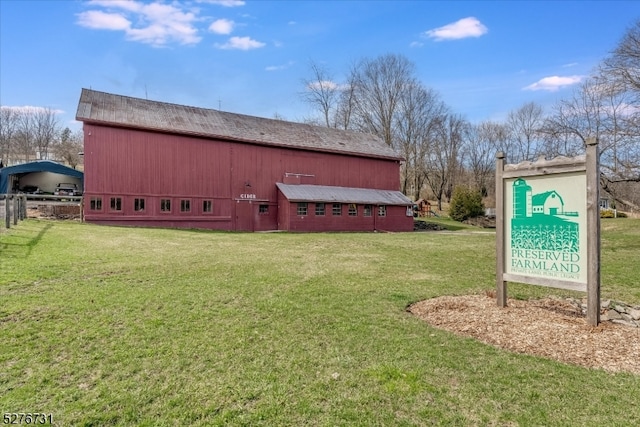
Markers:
point(548, 225)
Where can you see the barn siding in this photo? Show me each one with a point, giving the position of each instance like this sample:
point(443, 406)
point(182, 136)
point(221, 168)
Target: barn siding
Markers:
point(130, 163)
point(396, 219)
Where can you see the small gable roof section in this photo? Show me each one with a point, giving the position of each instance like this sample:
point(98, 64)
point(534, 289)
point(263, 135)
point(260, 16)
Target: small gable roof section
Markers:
point(541, 199)
point(330, 194)
point(116, 110)
point(37, 166)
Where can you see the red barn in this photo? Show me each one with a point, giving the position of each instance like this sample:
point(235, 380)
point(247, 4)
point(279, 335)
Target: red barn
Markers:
point(151, 163)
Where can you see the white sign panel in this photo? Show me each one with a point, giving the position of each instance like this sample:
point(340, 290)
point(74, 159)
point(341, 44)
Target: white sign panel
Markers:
point(546, 226)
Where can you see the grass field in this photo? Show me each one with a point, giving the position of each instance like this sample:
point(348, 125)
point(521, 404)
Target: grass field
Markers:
point(153, 327)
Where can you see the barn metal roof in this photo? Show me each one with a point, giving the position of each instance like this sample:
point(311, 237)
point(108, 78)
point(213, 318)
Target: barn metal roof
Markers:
point(329, 194)
point(116, 110)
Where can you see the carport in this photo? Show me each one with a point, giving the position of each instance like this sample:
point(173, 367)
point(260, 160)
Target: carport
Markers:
point(44, 174)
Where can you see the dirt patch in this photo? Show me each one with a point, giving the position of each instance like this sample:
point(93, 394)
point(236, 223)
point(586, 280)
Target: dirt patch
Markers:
point(426, 226)
point(550, 328)
point(481, 221)
point(54, 211)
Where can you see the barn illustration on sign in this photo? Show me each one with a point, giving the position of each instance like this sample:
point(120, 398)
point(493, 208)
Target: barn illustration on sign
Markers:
point(541, 222)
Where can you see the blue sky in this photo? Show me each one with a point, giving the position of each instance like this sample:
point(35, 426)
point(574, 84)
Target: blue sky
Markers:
point(484, 58)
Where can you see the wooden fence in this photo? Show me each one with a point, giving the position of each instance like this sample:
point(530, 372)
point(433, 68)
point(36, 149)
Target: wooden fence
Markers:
point(13, 207)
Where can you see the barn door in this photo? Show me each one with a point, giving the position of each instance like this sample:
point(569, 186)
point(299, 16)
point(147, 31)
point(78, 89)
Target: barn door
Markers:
point(244, 215)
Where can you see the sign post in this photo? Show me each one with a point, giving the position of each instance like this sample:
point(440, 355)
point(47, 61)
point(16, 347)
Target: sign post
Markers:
point(593, 232)
point(548, 225)
point(501, 284)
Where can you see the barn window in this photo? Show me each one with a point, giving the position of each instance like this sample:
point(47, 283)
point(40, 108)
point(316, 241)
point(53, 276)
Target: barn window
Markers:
point(207, 206)
point(382, 211)
point(116, 203)
point(353, 209)
point(263, 209)
point(367, 210)
point(95, 204)
point(320, 209)
point(138, 205)
point(302, 208)
point(165, 205)
point(185, 205)
point(337, 209)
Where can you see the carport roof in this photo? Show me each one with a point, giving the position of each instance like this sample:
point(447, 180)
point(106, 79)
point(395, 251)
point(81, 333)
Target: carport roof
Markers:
point(37, 166)
point(330, 194)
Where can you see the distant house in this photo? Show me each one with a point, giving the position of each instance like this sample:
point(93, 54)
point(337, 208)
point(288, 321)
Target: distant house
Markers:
point(547, 203)
point(150, 163)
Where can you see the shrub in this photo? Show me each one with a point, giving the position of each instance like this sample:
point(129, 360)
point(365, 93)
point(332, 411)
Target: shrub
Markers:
point(465, 203)
point(606, 213)
point(610, 213)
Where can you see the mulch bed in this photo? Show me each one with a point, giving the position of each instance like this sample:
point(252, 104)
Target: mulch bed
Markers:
point(548, 327)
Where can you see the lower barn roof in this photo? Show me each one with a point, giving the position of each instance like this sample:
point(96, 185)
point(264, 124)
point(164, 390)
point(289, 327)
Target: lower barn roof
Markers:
point(330, 194)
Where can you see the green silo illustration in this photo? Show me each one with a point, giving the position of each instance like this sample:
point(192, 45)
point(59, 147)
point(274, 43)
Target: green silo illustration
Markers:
point(522, 207)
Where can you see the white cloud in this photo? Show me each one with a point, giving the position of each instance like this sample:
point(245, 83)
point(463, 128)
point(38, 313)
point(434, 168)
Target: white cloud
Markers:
point(225, 3)
point(324, 84)
point(554, 83)
point(129, 5)
point(279, 67)
point(30, 109)
point(155, 23)
point(241, 43)
point(466, 27)
point(416, 44)
point(629, 109)
point(99, 20)
point(222, 26)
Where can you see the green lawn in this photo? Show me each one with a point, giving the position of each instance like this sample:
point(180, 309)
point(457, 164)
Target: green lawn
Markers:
point(122, 326)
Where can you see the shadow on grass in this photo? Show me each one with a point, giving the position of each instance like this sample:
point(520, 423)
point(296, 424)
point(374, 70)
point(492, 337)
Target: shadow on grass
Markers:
point(10, 250)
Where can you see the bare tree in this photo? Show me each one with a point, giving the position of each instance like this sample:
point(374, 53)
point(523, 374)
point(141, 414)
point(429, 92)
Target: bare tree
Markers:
point(23, 142)
point(524, 125)
point(624, 62)
point(444, 161)
point(382, 97)
point(345, 106)
point(45, 130)
point(599, 109)
point(321, 91)
point(482, 143)
point(9, 120)
point(420, 111)
point(574, 120)
point(27, 130)
point(379, 85)
point(69, 147)
point(621, 70)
